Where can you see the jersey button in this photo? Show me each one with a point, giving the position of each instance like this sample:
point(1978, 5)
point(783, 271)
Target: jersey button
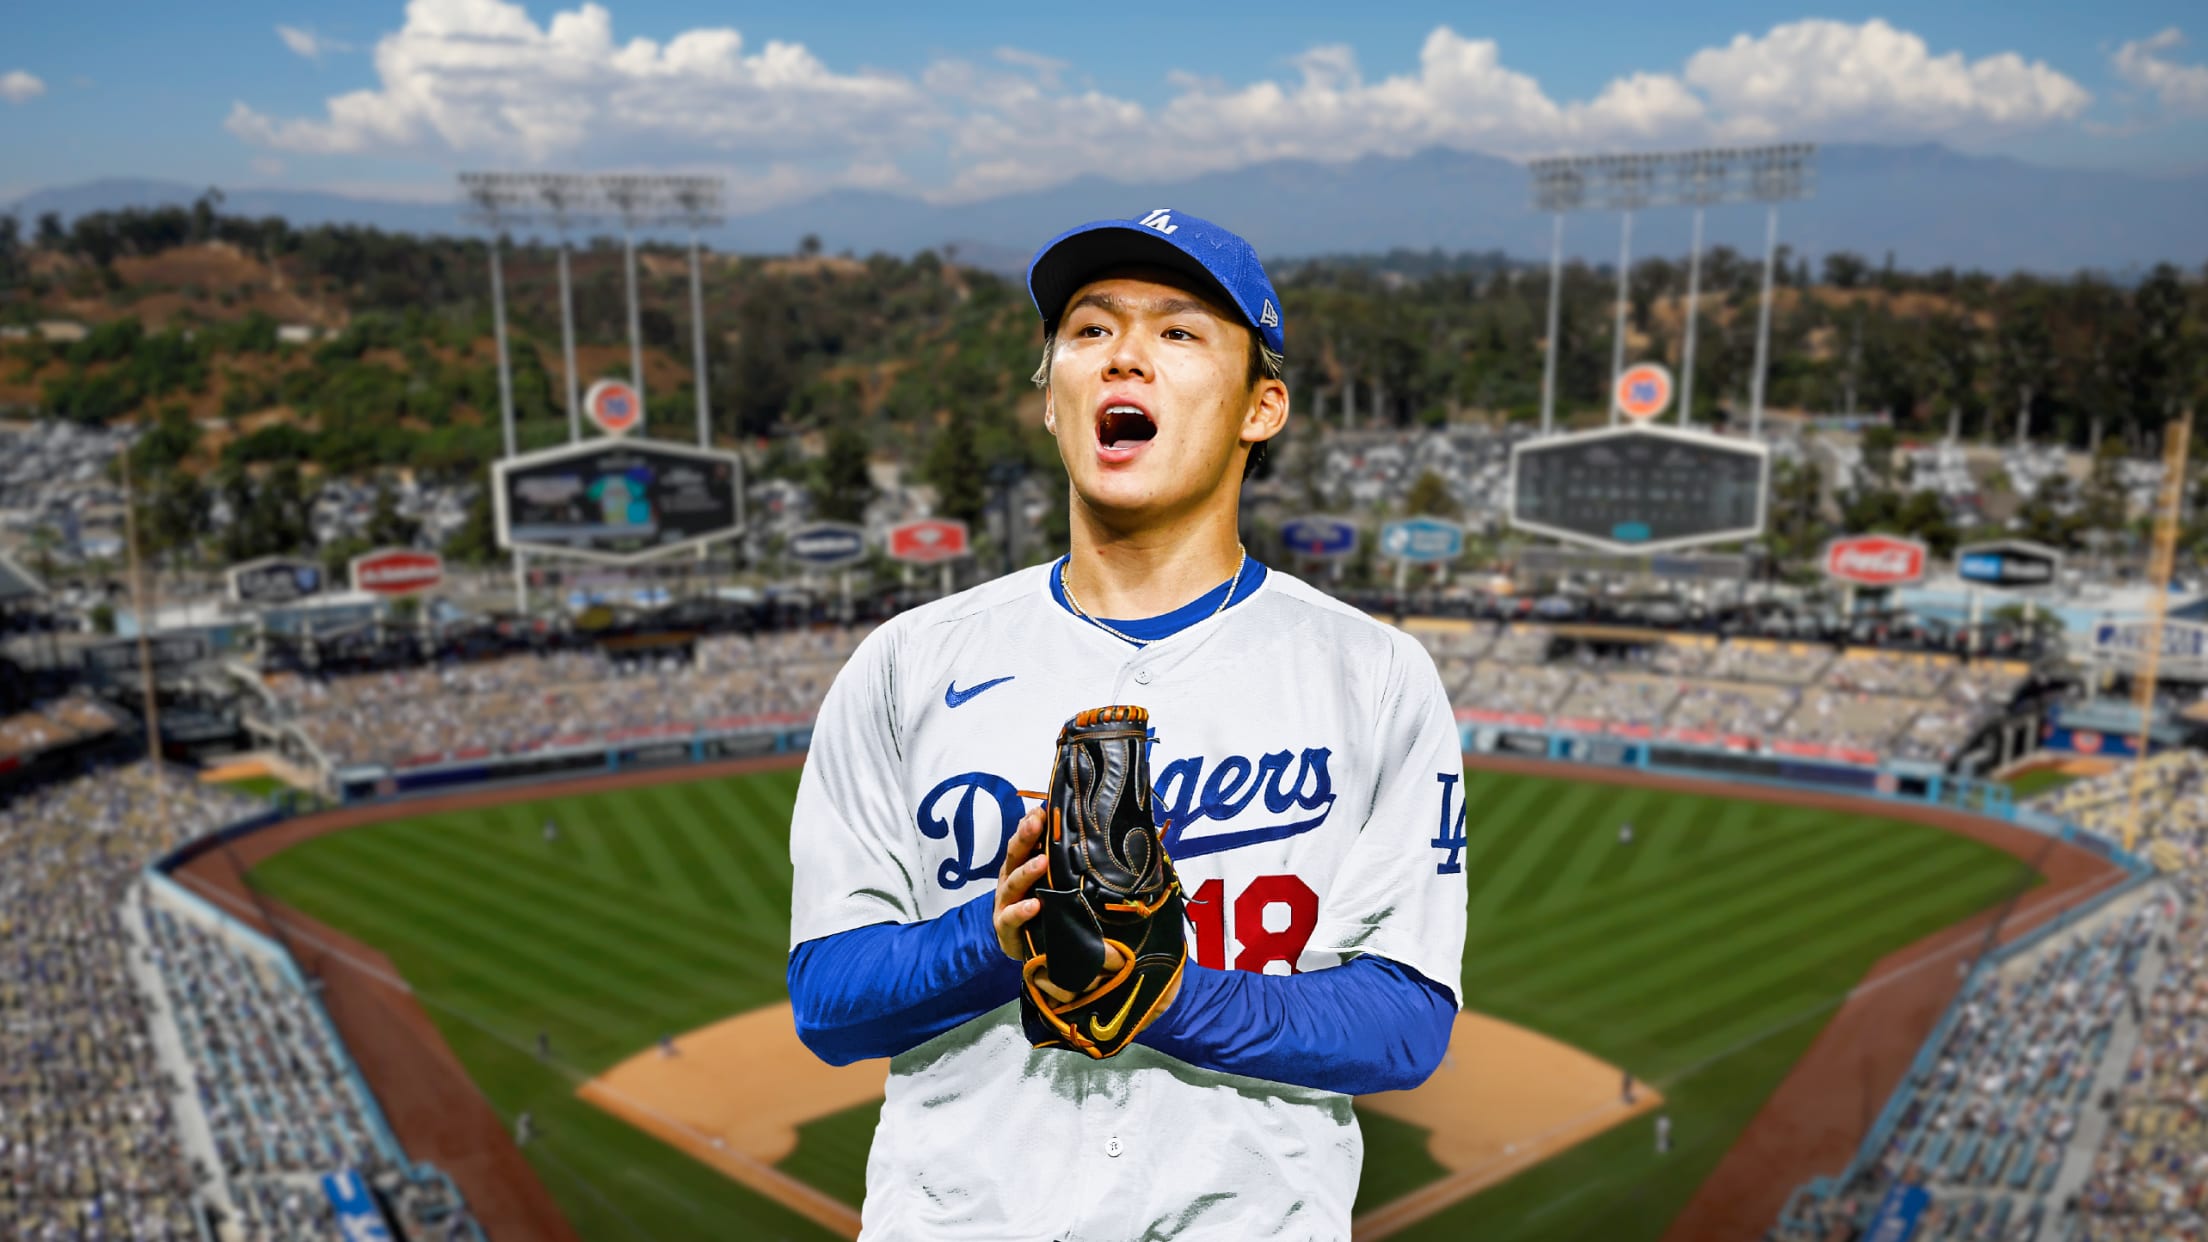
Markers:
point(1142, 677)
point(1112, 1147)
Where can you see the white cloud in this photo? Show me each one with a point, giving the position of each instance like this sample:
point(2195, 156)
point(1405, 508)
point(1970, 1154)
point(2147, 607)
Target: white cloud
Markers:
point(483, 80)
point(480, 77)
point(2181, 88)
point(17, 86)
point(1816, 78)
point(268, 166)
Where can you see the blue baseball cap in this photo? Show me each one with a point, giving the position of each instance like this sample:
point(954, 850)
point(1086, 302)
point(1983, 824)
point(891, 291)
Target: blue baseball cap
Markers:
point(1215, 258)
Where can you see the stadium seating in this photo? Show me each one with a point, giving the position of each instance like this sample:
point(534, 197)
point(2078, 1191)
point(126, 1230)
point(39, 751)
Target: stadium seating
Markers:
point(520, 703)
point(93, 1143)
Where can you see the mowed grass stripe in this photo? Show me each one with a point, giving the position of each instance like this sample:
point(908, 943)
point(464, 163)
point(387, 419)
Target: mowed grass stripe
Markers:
point(1581, 872)
point(1492, 888)
point(1626, 908)
point(1676, 825)
point(667, 820)
point(1496, 825)
point(545, 904)
point(1798, 921)
point(709, 827)
point(602, 819)
point(1548, 864)
point(550, 944)
point(1814, 967)
point(767, 855)
point(1672, 931)
point(641, 831)
point(455, 942)
point(634, 913)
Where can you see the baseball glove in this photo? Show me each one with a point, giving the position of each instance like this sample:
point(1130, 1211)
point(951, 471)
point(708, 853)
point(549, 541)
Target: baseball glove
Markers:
point(1109, 882)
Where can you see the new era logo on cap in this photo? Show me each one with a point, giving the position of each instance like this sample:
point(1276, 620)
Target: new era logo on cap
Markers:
point(1212, 256)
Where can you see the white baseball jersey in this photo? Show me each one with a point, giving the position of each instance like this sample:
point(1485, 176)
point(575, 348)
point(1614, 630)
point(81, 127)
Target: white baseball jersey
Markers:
point(1308, 764)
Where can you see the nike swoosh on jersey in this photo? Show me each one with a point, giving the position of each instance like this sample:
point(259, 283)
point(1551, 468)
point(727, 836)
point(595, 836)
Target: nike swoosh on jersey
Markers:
point(953, 696)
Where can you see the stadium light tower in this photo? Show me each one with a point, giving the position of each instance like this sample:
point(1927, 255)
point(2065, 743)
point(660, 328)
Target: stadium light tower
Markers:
point(635, 198)
point(1631, 183)
point(495, 199)
point(566, 198)
point(697, 203)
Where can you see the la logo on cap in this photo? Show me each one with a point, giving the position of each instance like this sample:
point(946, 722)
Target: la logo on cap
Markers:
point(1161, 220)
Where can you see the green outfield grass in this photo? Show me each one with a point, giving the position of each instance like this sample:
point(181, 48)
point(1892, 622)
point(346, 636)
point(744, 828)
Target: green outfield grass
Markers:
point(1703, 957)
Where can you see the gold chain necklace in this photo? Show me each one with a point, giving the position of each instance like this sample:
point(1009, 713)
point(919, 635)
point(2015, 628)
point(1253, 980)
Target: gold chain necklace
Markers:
point(1242, 559)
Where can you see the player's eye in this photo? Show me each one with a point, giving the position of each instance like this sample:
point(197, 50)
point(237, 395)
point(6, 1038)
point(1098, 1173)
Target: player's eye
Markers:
point(1089, 330)
point(1179, 334)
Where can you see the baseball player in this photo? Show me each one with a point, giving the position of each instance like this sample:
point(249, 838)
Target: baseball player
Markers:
point(1307, 775)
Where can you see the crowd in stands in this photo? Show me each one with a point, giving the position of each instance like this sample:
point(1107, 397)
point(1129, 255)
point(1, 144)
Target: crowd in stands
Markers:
point(93, 1141)
point(2151, 1177)
point(88, 1145)
point(50, 726)
point(276, 1087)
point(2035, 1057)
point(1860, 701)
point(519, 703)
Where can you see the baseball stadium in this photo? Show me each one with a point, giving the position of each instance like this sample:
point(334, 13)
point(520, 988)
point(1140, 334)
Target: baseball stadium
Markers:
point(413, 641)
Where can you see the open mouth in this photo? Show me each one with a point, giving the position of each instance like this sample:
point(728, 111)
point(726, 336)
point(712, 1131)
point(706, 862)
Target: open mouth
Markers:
point(1122, 426)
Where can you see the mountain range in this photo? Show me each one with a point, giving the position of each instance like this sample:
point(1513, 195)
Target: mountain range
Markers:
point(1926, 205)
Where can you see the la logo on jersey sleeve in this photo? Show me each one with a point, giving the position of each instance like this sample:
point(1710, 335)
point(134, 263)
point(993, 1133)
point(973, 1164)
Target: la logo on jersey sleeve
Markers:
point(1450, 837)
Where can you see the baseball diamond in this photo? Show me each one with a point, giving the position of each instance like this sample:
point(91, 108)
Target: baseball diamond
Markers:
point(649, 926)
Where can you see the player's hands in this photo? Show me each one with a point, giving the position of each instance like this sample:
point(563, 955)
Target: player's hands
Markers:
point(1024, 865)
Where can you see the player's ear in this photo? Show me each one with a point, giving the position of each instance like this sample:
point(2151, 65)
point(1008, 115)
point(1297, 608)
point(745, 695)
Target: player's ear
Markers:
point(1266, 413)
point(1050, 413)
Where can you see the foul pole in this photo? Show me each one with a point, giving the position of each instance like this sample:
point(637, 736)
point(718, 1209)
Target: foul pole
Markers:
point(2161, 563)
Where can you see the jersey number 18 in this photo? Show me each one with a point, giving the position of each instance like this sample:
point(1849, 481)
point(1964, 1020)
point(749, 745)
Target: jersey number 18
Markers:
point(1261, 945)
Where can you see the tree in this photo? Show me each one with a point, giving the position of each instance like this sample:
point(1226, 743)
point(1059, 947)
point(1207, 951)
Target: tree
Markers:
point(179, 516)
point(1429, 496)
point(235, 487)
point(387, 527)
point(844, 488)
point(953, 468)
point(51, 236)
point(476, 542)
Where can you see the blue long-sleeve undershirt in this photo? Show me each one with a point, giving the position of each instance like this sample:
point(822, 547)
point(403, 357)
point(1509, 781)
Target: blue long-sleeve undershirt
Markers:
point(1369, 1025)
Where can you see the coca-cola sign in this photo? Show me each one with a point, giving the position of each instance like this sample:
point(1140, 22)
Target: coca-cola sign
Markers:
point(397, 571)
point(1875, 560)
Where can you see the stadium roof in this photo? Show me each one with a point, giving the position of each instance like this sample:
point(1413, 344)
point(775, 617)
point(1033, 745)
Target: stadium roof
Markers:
point(18, 584)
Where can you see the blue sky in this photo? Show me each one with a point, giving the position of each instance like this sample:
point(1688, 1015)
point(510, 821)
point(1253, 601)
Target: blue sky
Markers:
point(993, 97)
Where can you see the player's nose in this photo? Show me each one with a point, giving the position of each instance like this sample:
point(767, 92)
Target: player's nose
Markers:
point(1127, 359)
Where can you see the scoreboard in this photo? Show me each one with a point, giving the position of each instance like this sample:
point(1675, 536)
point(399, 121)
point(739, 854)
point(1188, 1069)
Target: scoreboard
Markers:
point(616, 500)
point(1640, 489)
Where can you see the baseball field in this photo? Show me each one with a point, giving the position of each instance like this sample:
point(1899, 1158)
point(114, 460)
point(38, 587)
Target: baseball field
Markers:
point(1703, 957)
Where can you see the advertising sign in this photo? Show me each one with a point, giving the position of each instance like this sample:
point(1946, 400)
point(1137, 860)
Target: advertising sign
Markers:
point(397, 571)
point(825, 545)
point(1875, 560)
point(1422, 540)
point(2008, 564)
point(274, 580)
point(1644, 391)
point(1640, 489)
point(614, 406)
point(2184, 643)
point(119, 657)
point(617, 501)
point(928, 541)
point(1320, 538)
